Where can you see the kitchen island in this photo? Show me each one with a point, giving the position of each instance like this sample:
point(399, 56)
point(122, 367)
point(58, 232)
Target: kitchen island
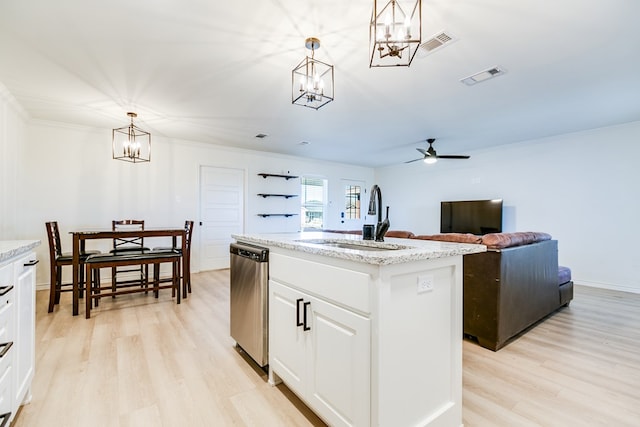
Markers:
point(367, 333)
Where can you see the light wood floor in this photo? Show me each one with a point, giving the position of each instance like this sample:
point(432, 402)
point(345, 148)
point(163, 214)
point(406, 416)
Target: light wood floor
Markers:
point(145, 362)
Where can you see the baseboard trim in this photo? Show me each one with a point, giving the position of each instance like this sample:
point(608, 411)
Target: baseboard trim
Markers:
point(608, 286)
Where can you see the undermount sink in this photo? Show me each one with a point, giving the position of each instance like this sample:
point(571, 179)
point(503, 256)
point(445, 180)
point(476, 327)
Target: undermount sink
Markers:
point(355, 244)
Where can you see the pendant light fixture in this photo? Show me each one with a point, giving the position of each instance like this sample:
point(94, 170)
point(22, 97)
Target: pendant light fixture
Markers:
point(312, 80)
point(130, 143)
point(395, 32)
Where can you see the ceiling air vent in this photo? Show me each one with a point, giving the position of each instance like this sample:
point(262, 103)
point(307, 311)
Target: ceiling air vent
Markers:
point(436, 42)
point(483, 75)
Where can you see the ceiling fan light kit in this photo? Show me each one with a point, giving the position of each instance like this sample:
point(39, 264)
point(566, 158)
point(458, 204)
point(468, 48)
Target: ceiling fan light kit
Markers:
point(430, 160)
point(395, 32)
point(130, 143)
point(430, 156)
point(312, 80)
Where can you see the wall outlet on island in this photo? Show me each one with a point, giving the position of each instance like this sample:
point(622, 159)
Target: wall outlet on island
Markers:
point(425, 283)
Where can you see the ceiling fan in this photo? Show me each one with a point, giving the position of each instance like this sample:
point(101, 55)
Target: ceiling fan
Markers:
point(430, 155)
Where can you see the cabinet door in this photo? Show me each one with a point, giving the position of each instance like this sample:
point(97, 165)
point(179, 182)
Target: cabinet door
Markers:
point(25, 328)
point(327, 365)
point(6, 357)
point(339, 364)
point(287, 341)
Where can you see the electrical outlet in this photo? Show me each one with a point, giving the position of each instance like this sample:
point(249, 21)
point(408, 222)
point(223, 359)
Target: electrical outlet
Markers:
point(425, 283)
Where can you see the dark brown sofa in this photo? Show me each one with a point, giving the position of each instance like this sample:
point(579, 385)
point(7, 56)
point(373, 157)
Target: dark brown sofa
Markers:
point(511, 286)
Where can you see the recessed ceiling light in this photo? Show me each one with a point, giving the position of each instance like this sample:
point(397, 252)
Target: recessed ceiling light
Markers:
point(261, 135)
point(483, 76)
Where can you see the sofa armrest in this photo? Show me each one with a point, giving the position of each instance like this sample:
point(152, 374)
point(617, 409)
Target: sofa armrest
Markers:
point(508, 240)
point(508, 290)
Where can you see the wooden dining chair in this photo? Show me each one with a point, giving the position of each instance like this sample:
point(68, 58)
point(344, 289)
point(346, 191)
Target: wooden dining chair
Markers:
point(129, 245)
point(58, 259)
point(185, 275)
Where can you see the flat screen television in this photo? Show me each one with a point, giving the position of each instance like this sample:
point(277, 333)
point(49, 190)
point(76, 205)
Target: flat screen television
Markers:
point(471, 216)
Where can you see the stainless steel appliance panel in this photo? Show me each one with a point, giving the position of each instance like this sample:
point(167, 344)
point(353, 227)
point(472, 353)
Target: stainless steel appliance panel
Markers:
point(249, 299)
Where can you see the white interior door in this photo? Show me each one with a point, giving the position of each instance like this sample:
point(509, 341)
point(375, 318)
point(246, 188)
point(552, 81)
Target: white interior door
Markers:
point(221, 214)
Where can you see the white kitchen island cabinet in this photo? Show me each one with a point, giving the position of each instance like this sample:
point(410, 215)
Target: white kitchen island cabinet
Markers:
point(384, 339)
point(319, 349)
point(17, 324)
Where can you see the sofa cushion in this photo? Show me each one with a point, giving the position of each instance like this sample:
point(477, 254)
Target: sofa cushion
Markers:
point(451, 237)
point(507, 240)
point(564, 274)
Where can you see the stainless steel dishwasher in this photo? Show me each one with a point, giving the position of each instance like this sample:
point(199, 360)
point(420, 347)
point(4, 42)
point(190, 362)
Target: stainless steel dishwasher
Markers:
point(249, 300)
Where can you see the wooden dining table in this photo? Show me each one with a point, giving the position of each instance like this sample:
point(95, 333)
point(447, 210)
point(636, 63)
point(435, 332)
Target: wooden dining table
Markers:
point(80, 237)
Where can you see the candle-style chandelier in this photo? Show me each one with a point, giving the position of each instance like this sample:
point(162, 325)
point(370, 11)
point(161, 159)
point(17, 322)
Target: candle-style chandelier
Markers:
point(312, 80)
point(130, 143)
point(395, 32)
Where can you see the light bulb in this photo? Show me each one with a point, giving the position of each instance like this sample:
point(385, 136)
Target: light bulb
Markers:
point(387, 25)
point(430, 160)
point(407, 26)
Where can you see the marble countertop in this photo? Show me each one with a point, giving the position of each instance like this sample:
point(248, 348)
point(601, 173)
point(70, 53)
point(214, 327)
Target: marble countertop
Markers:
point(399, 250)
point(13, 248)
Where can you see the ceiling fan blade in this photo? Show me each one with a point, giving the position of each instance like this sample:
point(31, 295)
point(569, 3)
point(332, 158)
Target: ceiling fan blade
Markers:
point(452, 156)
point(423, 151)
point(414, 160)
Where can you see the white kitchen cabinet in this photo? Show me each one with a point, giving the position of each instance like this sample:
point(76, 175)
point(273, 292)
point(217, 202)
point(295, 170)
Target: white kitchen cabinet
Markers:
point(321, 351)
point(6, 343)
point(25, 279)
point(381, 350)
point(17, 324)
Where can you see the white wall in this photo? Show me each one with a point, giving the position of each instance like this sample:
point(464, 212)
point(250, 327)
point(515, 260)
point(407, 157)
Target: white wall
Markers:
point(12, 130)
point(582, 188)
point(68, 175)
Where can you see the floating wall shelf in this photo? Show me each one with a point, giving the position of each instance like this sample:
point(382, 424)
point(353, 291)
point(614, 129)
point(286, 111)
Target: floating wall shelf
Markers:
point(285, 215)
point(287, 177)
point(286, 196)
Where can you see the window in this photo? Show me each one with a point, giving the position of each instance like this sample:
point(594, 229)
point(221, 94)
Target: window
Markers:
point(352, 202)
point(313, 196)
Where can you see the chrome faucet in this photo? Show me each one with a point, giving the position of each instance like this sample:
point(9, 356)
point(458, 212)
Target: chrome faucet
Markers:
point(382, 226)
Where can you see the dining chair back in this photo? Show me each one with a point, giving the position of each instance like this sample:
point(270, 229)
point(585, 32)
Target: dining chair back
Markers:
point(129, 275)
point(58, 259)
point(128, 243)
point(186, 274)
point(186, 257)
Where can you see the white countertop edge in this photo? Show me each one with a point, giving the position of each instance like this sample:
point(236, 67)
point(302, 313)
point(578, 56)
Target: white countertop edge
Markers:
point(418, 249)
point(13, 248)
